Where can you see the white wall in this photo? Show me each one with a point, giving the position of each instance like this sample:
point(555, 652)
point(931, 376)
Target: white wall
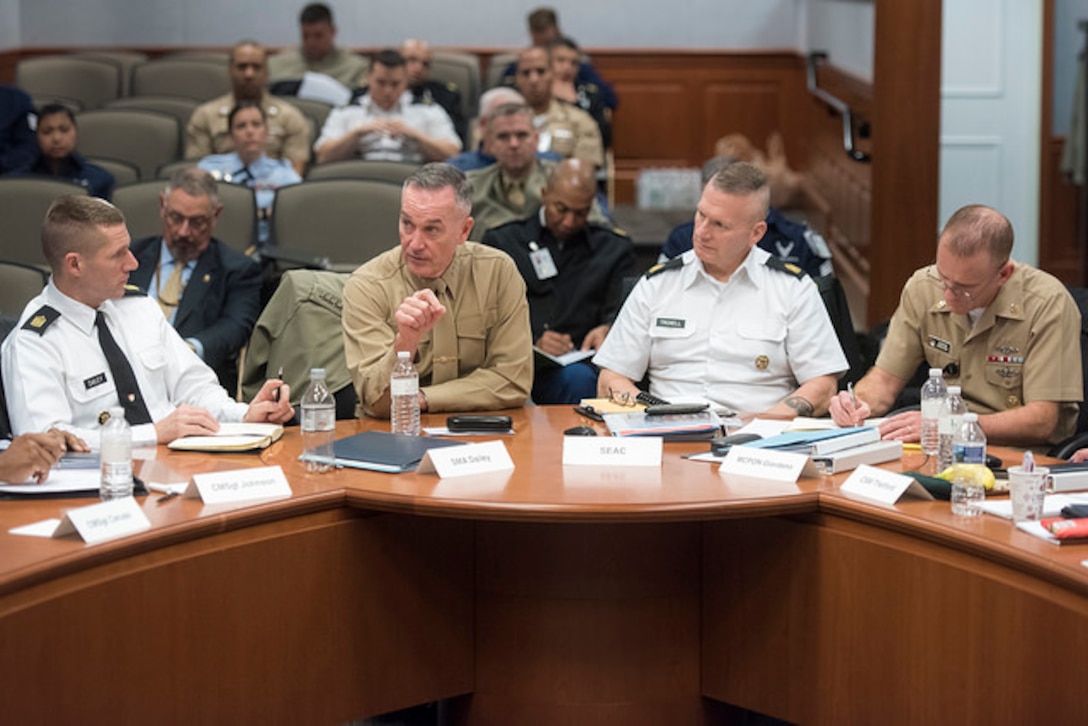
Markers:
point(731, 24)
point(10, 24)
point(843, 28)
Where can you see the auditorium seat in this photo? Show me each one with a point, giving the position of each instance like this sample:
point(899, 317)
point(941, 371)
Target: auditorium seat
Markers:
point(390, 171)
point(23, 203)
point(125, 60)
point(123, 171)
point(188, 77)
point(90, 82)
point(497, 67)
point(343, 221)
point(463, 70)
point(146, 139)
point(176, 106)
point(19, 283)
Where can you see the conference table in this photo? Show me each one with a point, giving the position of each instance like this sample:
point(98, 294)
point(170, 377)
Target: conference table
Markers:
point(549, 594)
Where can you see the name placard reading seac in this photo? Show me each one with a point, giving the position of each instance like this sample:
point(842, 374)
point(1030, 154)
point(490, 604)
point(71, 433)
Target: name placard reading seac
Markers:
point(468, 459)
point(238, 485)
point(763, 464)
point(612, 451)
point(103, 521)
point(881, 485)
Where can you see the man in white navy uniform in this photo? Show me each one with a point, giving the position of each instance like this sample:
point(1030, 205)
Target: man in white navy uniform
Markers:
point(727, 322)
point(89, 342)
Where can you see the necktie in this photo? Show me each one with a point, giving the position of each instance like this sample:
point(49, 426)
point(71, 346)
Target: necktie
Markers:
point(444, 336)
point(123, 378)
point(170, 292)
point(516, 195)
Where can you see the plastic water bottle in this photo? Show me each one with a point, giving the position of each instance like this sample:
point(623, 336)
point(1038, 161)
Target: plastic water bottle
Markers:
point(969, 446)
point(951, 417)
point(318, 423)
point(115, 443)
point(933, 395)
point(404, 396)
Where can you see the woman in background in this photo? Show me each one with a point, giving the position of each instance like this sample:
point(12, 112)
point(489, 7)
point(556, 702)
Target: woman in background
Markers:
point(248, 164)
point(57, 155)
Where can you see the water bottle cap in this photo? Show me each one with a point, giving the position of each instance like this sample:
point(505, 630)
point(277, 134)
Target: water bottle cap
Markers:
point(403, 355)
point(936, 372)
point(317, 373)
point(954, 390)
point(968, 417)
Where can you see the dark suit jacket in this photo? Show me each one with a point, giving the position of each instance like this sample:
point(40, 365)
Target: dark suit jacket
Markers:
point(220, 303)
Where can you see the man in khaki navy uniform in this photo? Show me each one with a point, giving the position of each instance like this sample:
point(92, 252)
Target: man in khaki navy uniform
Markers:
point(726, 322)
point(1007, 333)
point(289, 132)
point(564, 129)
point(510, 189)
point(318, 52)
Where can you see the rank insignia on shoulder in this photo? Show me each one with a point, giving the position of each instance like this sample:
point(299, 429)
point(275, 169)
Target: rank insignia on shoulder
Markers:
point(42, 319)
point(777, 263)
point(674, 264)
point(134, 291)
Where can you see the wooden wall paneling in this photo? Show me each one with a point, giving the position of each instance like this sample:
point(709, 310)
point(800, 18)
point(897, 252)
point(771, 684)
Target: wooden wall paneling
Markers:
point(906, 146)
point(1059, 249)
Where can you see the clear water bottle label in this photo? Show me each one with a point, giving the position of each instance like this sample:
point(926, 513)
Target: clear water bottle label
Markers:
point(970, 453)
point(404, 387)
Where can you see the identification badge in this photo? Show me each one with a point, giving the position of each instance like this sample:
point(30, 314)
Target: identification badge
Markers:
point(98, 380)
point(543, 264)
point(677, 323)
point(942, 345)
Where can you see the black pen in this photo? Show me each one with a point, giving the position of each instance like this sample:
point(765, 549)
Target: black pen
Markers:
point(276, 393)
point(166, 497)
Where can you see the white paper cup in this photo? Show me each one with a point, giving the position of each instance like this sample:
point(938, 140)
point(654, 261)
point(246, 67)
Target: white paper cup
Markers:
point(1026, 490)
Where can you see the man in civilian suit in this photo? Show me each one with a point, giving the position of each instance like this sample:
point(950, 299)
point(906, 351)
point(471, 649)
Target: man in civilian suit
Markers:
point(209, 292)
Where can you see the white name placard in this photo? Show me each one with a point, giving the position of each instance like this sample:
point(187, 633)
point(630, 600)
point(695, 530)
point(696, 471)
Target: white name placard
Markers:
point(881, 485)
point(103, 521)
point(468, 459)
point(239, 485)
point(612, 451)
point(763, 464)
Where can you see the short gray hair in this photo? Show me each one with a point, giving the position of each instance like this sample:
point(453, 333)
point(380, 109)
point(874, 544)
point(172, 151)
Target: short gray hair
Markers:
point(742, 179)
point(436, 176)
point(195, 182)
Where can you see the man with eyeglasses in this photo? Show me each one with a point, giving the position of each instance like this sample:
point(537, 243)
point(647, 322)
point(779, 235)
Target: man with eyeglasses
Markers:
point(1007, 333)
point(210, 293)
point(90, 342)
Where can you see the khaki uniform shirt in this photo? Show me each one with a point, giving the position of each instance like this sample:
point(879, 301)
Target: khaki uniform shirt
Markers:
point(494, 343)
point(289, 132)
point(1025, 347)
point(492, 207)
point(570, 132)
point(343, 65)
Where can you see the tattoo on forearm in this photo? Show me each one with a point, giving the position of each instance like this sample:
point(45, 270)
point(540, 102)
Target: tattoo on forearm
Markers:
point(799, 404)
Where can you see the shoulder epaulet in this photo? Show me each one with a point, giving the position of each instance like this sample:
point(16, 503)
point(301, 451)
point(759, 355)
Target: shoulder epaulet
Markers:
point(610, 228)
point(777, 263)
point(42, 319)
point(134, 291)
point(452, 87)
point(674, 264)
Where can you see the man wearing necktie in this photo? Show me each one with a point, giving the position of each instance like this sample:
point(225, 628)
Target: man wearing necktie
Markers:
point(210, 293)
point(90, 341)
point(458, 307)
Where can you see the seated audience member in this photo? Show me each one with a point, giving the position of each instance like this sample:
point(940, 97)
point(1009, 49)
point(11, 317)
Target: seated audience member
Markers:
point(566, 87)
point(509, 189)
point(248, 164)
point(31, 456)
point(289, 132)
point(57, 155)
point(458, 307)
point(385, 124)
point(1008, 334)
point(89, 342)
point(480, 157)
point(544, 30)
point(726, 322)
point(318, 52)
point(790, 241)
point(210, 293)
point(417, 59)
point(18, 147)
point(565, 129)
point(574, 272)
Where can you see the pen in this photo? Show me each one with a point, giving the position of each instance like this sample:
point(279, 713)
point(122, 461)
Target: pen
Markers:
point(853, 399)
point(166, 497)
point(276, 393)
point(1029, 461)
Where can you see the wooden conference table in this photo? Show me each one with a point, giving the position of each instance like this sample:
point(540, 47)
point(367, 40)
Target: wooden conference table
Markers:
point(549, 595)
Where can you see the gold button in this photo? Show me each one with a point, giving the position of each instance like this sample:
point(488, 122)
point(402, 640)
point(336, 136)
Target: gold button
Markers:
point(762, 362)
point(1012, 401)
